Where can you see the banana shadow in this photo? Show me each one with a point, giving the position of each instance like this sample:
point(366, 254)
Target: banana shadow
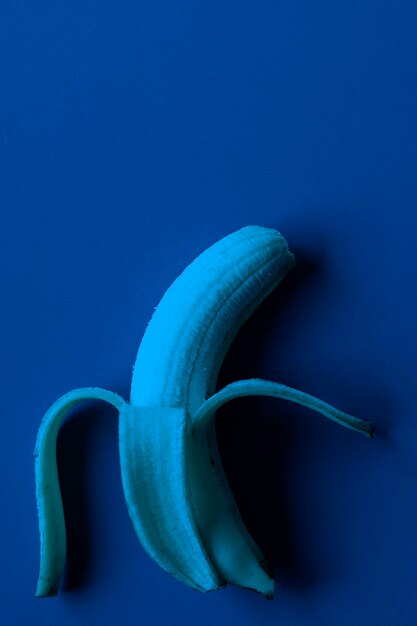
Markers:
point(260, 442)
point(73, 448)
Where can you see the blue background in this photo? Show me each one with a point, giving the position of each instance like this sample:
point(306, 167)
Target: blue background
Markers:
point(134, 134)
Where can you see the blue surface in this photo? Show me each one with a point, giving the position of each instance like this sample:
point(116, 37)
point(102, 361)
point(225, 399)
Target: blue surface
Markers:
point(134, 135)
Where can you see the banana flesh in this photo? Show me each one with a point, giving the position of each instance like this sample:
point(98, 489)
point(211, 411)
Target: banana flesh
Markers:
point(177, 493)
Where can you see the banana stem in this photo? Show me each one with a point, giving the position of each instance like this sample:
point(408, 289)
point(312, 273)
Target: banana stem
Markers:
point(48, 494)
point(258, 387)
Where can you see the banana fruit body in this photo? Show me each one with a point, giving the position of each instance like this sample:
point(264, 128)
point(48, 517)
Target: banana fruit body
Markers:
point(177, 494)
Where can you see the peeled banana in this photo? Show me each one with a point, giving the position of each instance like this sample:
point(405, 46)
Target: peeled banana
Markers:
point(177, 493)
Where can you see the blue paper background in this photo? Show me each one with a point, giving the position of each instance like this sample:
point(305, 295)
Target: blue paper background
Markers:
point(134, 135)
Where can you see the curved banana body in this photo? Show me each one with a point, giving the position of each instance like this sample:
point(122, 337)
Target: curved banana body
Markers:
point(177, 494)
point(177, 367)
point(198, 317)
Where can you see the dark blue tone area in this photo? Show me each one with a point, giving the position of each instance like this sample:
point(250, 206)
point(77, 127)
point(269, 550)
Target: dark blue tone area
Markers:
point(134, 135)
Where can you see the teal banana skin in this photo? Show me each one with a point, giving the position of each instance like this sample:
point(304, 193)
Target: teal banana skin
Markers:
point(176, 491)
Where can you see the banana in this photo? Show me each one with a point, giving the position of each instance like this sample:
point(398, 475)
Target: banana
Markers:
point(176, 491)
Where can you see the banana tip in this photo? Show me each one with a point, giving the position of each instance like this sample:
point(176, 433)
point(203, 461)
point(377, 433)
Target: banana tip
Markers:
point(46, 591)
point(369, 430)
